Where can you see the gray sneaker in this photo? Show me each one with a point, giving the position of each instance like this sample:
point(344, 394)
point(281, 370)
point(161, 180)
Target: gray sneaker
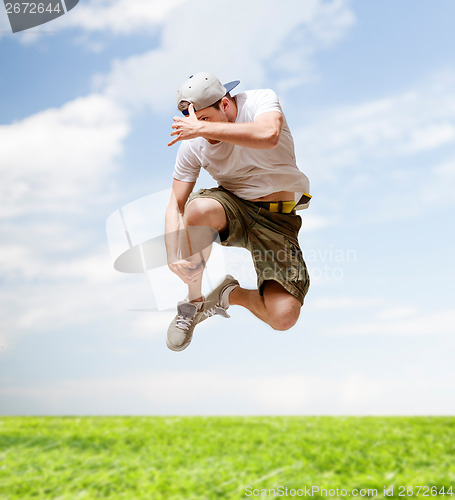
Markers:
point(180, 331)
point(213, 304)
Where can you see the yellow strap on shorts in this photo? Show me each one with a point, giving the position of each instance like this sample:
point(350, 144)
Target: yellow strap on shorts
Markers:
point(284, 207)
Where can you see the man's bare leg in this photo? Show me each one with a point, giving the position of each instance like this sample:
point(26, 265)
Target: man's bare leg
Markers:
point(277, 307)
point(194, 289)
point(201, 213)
point(201, 219)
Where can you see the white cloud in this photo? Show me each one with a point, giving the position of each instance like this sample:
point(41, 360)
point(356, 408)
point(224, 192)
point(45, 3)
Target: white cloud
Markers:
point(51, 255)
point(60, 304)
point(343, 303)
point(392, 157)
point(396, 313)
point(120, 17)
point(431, 136)
point(151, 324)
point(311, 222)
point(115, 17)
point(259, 22)
point(56, 171)
point(347, 137)
point(402, 321)
point(440, 187)
point(217, 393)
point(53, 159)
point(203, 35)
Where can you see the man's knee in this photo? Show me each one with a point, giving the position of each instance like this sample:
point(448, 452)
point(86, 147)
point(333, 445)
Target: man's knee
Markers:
point(282, 307)
point(203, 212)
point(285, 315)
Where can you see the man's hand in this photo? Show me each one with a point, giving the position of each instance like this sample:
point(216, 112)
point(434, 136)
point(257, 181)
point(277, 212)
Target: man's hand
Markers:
point(186, 127)
point(187, 271)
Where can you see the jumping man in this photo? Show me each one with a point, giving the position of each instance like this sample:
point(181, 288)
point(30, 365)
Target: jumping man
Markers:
point(245, 144)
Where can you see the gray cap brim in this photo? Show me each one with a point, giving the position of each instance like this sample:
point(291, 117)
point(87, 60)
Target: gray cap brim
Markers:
point(231, 85)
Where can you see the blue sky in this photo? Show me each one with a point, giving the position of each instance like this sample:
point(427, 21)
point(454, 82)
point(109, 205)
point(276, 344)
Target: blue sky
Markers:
point(86, 104)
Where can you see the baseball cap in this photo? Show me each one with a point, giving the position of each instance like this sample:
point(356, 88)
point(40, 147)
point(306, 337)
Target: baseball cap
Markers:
point(202, 90)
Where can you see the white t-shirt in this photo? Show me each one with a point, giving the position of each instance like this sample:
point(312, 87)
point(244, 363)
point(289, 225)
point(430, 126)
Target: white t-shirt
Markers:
point(248, 173)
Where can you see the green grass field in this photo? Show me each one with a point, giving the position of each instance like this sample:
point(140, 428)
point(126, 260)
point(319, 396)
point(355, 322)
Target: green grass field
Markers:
point(216, 457)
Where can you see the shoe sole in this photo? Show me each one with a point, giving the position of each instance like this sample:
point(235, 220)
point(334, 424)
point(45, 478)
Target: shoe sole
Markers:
point(175, 348)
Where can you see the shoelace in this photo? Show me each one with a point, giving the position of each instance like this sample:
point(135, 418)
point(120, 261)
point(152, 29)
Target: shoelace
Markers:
point(183, 322)
point(216, 310)
point(210, 312)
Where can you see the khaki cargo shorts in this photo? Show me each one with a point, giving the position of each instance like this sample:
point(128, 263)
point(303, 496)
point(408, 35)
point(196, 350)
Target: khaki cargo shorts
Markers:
point(270, 237)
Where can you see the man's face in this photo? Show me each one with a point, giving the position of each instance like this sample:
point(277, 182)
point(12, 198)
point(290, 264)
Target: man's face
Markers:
point(212, 114)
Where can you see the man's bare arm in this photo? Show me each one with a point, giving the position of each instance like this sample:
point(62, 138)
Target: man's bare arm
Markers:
point(173, 220)
point(175, 232)
point(263, 133)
